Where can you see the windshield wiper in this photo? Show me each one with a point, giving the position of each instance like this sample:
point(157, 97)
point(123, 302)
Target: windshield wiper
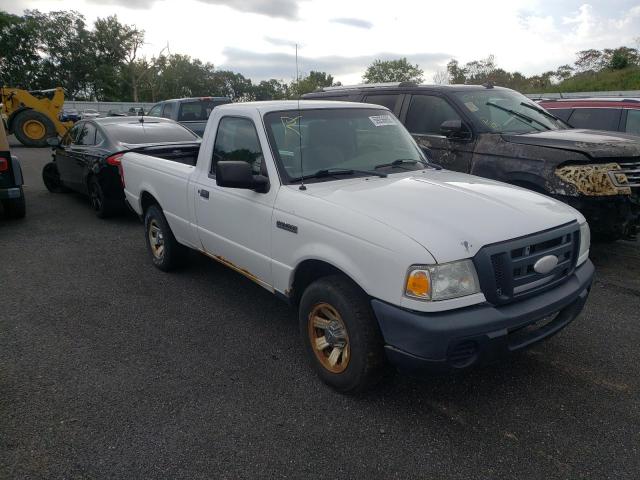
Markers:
point(518, 115)
point(404, 161)
point(543, 112)
point(332, 172)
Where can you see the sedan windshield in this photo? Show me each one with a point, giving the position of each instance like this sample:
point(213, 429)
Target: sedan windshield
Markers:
point(339, 143)
point(506, 111)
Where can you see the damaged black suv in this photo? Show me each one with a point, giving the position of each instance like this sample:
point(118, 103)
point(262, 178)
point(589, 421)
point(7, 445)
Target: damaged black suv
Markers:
point(498, 133)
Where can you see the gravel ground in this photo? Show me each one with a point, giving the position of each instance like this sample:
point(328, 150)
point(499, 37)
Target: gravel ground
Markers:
point(110, 368)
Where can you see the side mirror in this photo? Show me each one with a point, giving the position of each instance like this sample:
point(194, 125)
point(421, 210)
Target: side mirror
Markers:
point(455, 129)
point(53, 141)
point(238, 174)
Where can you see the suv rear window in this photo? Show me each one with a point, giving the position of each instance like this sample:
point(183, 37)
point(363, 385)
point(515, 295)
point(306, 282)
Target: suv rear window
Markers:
point(595, 118)
point(198, 111)
point(149, 132)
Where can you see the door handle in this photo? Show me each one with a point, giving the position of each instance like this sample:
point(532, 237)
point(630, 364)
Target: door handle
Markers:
point(204, 193)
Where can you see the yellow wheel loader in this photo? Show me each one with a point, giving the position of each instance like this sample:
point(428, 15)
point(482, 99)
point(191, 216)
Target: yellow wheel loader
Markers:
point(33, 116)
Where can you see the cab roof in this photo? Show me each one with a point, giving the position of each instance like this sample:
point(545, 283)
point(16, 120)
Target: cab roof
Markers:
point(279, 105)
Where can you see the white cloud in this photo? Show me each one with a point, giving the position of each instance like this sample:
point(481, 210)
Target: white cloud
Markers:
point(258, 36)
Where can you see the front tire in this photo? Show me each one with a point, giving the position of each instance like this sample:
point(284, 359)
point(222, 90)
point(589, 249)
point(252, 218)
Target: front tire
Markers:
point(341, 334)
point(51, 178)
point(165, 251)
point(15, 208)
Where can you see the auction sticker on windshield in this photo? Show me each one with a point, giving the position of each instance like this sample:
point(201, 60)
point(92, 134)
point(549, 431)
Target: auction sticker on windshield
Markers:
point(382, 120)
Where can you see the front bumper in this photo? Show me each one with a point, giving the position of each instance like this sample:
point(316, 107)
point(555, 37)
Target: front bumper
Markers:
point(461, 338)
point(9, 193)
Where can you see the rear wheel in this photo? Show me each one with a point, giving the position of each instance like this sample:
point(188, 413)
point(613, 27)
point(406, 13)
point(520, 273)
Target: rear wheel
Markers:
point(341, 334)
point(15, 207)
point(101, 204)
point(166, 253)
point(33, 128)
point(51, 178)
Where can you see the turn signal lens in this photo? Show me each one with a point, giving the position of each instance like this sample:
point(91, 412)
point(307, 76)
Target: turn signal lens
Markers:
point(418, 284)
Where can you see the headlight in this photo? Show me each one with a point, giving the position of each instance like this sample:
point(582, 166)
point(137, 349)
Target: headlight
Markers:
point(440, 282)
point(585, 243)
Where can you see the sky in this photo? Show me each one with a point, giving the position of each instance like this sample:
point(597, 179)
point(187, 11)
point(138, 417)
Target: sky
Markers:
point(342, 37)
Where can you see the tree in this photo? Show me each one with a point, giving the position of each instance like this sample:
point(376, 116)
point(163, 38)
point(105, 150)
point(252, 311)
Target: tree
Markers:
point(401, 70)
point(441, 77)
point(456, 73)
point(588, 60)
point(270, 90)
point(310, 83)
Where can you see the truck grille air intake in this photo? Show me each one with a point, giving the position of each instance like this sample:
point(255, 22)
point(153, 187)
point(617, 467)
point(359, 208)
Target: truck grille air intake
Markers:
point(522, 267)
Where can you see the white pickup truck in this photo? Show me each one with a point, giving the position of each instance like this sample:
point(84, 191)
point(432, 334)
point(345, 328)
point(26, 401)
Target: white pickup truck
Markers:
point(388, 258)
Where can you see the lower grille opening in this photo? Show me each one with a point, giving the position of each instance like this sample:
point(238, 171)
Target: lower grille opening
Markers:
point(463, 354)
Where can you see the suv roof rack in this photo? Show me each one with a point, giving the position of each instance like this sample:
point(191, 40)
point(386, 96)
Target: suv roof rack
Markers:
point(367, 85)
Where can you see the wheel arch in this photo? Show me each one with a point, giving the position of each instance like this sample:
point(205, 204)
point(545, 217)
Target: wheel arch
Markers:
point(528, 180)
point(146, 200)
point(310, 270)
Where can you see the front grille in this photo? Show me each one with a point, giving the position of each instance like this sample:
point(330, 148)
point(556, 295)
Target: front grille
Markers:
point(506, 269)
point(629, 171)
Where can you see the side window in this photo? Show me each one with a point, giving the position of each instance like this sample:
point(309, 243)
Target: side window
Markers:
point(388, 101)
point(633, 122)
point(167, 111)
point(561, 113)
point(99, 137)
point(595, 118)
point(72, 134)
point(237, 139)
point(155, 111)
point(426, 114)
point(87, 136)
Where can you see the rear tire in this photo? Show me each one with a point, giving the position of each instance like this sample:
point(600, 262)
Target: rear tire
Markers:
point(15, 208)
point(51, 178)
point(101, 204)
point(165, 251)
point(341, 334)
point(33, 128)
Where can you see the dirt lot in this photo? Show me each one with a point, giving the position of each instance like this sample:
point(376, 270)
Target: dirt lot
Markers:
point(110, 368)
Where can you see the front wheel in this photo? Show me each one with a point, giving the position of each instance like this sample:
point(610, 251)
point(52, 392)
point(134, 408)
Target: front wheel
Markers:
point(341, 334)
point(166, 253)
point(51, 178)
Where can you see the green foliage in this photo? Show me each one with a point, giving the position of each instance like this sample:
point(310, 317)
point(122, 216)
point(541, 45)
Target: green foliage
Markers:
point(593, 70)
point(401, 70)
point(310, 83)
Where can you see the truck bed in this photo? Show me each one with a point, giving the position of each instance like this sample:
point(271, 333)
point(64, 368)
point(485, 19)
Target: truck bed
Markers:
point(186, 153)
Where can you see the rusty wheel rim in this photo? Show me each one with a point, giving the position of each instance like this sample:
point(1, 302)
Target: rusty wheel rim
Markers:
point(329, 338)
point(156, 239)
point(34, 129)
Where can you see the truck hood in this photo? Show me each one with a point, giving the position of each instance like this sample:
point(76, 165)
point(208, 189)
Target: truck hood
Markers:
point(450, 214)
point(593, 143)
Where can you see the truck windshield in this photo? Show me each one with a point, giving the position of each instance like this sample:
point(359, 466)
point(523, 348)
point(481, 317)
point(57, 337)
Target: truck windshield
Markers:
point(346, 141)
point(506, 111)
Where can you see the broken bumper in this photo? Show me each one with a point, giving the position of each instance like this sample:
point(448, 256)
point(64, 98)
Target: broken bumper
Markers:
point(454, 340)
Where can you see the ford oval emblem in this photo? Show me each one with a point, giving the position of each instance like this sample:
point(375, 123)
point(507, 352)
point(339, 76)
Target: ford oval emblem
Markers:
point(546, 264)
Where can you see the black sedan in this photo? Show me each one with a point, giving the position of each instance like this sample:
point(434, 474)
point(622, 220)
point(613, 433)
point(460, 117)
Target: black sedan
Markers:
point(87, 159)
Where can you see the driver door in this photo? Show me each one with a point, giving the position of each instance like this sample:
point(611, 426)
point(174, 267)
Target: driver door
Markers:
point(235, 224)
point(422, 116)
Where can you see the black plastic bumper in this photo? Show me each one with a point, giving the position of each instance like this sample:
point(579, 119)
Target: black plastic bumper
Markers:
point(461, 338)
point(9, 193)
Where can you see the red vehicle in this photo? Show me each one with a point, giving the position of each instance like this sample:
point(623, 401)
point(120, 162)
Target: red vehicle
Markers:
point(616, 114)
